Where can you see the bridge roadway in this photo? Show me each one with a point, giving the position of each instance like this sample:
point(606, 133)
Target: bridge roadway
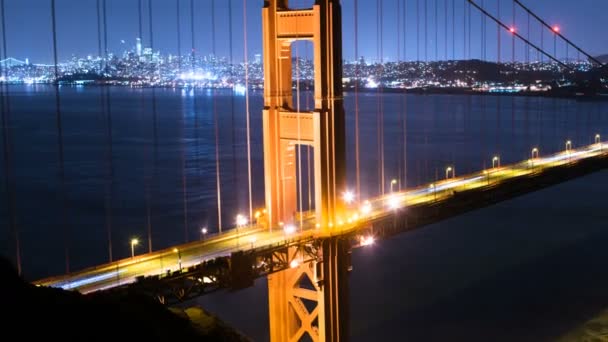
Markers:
point(361, 216)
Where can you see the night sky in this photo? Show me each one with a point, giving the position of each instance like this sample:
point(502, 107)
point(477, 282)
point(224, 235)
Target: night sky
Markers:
point(28, 25)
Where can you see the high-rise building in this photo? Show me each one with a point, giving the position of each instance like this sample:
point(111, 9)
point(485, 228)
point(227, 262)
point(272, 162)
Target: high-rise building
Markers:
point(138, 46)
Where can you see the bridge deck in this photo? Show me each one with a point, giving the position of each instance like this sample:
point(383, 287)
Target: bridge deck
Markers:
point(381, 216)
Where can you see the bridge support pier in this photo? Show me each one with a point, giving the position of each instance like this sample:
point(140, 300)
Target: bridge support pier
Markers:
point(310, 300)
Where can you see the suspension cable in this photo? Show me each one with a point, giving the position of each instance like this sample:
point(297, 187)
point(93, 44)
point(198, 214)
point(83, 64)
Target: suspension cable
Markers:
point(557, 33)
point(7, 149)
point(154, 120)
point(216, 124)
point(104, 102)
point(179, 36)
point(357, 70)
point(501, 24)
point(445, 27)
point(192, 37)
point(246, 63)
point(235, 179)
point(299, 145)
point(183, 155)
point(62, 191)
point(403, 181)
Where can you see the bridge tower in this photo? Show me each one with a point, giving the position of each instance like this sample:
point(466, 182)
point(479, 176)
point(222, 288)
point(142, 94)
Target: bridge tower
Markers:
point(285, 128)
point(311, 298)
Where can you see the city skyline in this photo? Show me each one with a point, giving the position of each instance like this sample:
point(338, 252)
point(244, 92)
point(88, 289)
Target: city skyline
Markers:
point(28, 28)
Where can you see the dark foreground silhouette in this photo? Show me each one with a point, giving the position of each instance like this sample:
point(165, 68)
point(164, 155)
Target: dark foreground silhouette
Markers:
point(54, 314)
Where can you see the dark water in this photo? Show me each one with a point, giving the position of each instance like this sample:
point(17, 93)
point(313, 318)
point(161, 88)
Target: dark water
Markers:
point(161, 143)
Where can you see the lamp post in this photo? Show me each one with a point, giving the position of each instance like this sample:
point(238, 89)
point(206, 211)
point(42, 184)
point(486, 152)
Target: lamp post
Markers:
point(134, 242)
point(568, 145)
point(496, 161)
point(179, 257)
point(448, 170)
point(534, 153)
point(203, 233)
point(393, 182)
point(348, 197)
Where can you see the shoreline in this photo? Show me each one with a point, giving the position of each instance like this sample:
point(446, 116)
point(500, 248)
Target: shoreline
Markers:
point(579, 96)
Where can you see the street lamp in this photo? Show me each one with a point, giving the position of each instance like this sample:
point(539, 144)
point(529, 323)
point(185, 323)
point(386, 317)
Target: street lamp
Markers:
point(179, 257)
point(134, 242)
point(597, 139)
point(241, 220)
point(434, 187)
point(535, 153)
point(496, 161)
point(366, 208)
point(448, 170)
point(289, 229)
point(203, 233)
point(393, 182)
point(348, 197)
point(568, 145)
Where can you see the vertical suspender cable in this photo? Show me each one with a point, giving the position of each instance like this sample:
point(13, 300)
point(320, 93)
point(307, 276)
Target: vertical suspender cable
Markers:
point(183, 155)
point(309, 149)
point(357, 70)
point(299, 149)
point(104, 101)
point(381, 98)
point(528, 37)
point(216, 124)
point(246, 63)
point(426, 29)
point(146, 148)
point(7, 150)
point(109, 151)
point(482, 30)
point(235, 179)
point(464, 30)
point(445, 27)
point(154, 116)
point(195, 104)
point(179, 35)
point(498, 33)
point(513, 37)
point(192, 36)
point(469, 32)
point(418, 33)
point(62, 190)
point(403, 182)
point(398, 66)
point(453, 29)
point(436, 30)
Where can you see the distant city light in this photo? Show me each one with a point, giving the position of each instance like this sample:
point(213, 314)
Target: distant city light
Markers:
point(240, 89)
